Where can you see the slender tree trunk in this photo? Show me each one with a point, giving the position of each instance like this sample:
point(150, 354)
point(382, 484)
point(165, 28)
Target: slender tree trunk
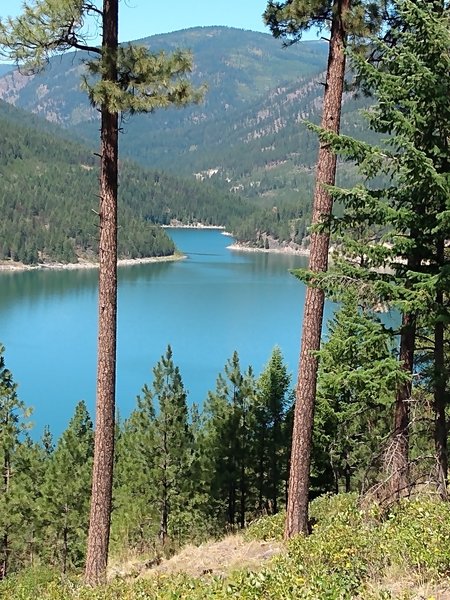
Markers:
point(232, 502)
point(400, 445)
point(297, 509)
point(275, 475)
point(440, 427)
point(65, 550)
point(347, 475)
point(5, 540)
point(262, 454)
point(439, 384)
point(243, 479)
point(164, 520)
point(99, 525)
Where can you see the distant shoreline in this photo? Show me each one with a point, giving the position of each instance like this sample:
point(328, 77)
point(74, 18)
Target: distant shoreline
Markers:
point(11, 267)
point(195, 226)
point(282, 250)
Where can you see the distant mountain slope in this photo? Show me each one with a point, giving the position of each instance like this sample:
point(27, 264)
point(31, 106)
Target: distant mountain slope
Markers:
point(245, 73)
point(238, 66)
point(247, 138)
point(48, 198)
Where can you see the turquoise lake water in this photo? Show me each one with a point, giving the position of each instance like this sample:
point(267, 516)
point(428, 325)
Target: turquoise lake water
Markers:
point(206, 306)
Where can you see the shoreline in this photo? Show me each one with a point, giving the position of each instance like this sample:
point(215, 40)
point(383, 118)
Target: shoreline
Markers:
point(197, 226)
point(7, 267)
point(283, 250)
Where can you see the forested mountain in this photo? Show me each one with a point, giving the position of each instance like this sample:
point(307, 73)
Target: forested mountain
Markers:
point(247, 137)
point(253, 86)
point(48, 198)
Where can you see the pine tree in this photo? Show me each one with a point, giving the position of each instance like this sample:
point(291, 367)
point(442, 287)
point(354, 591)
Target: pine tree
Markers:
point(269, 443)
point(291, 18)
point(358, 375)
point(64, 507)
point(354, 19)
point(29, 543)
point(399, 260)
point(172, 444)
point(130, 79)
point(13, 423)
point(135, 515)
point(228, 426)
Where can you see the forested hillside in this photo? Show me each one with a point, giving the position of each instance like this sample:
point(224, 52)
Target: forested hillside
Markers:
point(247, 137)
point(244, 137)
point(48, 198)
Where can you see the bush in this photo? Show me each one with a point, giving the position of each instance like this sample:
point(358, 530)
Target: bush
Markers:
point(348, 550)
point(417, 537)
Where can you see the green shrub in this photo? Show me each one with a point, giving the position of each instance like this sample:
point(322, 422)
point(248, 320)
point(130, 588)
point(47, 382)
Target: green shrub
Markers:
point(348, 550)
point(266, 528)
point(417, 537)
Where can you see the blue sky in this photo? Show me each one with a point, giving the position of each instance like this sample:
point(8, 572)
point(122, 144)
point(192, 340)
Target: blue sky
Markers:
point(140, 18)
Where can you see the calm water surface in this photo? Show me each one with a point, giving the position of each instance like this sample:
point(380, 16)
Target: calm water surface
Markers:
point(206, 306)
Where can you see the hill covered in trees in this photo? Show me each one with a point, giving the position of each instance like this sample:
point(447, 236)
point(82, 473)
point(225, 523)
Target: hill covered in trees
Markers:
point(247, 138)
point(48, 198)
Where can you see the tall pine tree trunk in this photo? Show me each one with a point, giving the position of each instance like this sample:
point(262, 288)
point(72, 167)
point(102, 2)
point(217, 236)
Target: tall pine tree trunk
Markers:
point(297, 509)
point(99, 525)
point(400, 446)
point(399, 459)
point(439, 384)
point(5, 540)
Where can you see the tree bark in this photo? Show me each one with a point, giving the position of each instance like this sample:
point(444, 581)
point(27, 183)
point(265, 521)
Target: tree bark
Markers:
point(5, 541)
point(297, 509)
point(440, 384)
point(400, 446)
point(99, 525)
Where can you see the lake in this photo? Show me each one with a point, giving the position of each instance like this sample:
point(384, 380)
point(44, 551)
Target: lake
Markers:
point(206, 306)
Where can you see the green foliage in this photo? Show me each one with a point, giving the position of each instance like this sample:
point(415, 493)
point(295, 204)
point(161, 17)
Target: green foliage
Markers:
point(270, 436)
point(15, 478)
point(154, 466)
point(358, 375)
point(145, 81)
point(267, 528)
point(417, 536)
point(347, 556)
point(228, 427)
point(391, 234)
point(142, 81)
point(292, 18)
point(63, 509)
point(388, 237)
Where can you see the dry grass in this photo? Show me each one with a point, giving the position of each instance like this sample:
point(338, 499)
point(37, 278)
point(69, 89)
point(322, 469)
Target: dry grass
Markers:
point(403, 588)
point(217, 558)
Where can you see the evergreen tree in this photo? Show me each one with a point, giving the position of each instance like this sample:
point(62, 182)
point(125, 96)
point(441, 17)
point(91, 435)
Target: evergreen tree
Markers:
point(229, 423)
point(172, 442)
point(128, 79)
point(291, 18)
point(400, 260)
point(135, 515)
point(269, 444)
point(13, 415)
point(64, 506)
point(346, 19)
point(358, 375)
point(29, 544)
